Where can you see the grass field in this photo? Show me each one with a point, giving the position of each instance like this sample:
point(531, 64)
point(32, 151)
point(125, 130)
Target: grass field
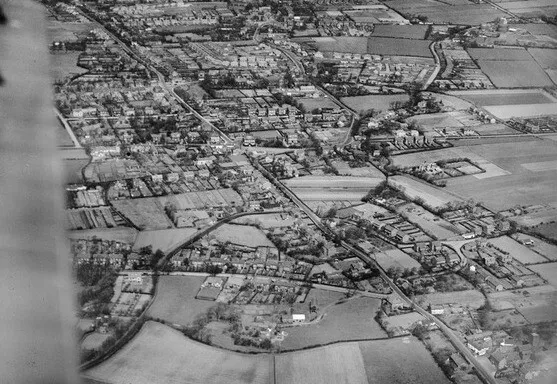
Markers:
point(546, 58)
point(146, 214)
point(511, 183)
point(311, 103)
point(460, 12)
point(545, 249)
point(432, 197)
point(537, 306)
point(398, 47)
point(362, 104)
point(94, 340)
point(400, 31)
point(395, 258)
point(341, 44)
point(548, 271)
point(518, 251)
point(401, 360)
point(64, 65)
point(162, 355)
point(319, 188)
point(122, 234)
point(242, 235)
point(506, 97)
point(336, 364)
point(163, 239)
point(548, 230)
point(515, 74)
point(350, 320)
point(175, 299)
point(72, 170)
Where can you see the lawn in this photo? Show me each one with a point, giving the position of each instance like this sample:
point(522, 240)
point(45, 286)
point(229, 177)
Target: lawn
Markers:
point(334, 364)
point(175, 299)
point(349, 320)
point(162, 355)
point(242, 234)
point(363, 104)
point(163, 239)
point(94, 340)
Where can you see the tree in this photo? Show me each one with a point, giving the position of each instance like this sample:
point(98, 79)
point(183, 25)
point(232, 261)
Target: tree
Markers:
point(155, 258)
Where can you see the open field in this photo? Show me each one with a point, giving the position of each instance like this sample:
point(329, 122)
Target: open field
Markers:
point(515, 74)
point(432, 197)
point(506, 97)
point(518, 251)
point(311, 103)
point(335, 364)
point(163, 239)
point(548, 271)
point(398, 47)
point(146, 214)
point(242, 235)
point(162, 355)
point(429, 223)
point(64, 65)
point(350, 320)
point(401, 360)
point(523, 110)
point(548, 230)
point(345, 188)
point(122, 234)
point(400, 31)
point(341, 44)
point(363, 104)
point(175, 299)
point(537, 305)
point(546, 58)
point(509, 183)
point(500, 54)
point(72, 170)
point(460, 12)
point(395, 258)
point(376, 45)
point(469, 298)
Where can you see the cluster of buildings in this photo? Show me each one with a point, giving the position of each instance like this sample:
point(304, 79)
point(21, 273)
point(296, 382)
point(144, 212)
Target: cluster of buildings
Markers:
point(100, 252)
point(498, 269)
point(512, 358)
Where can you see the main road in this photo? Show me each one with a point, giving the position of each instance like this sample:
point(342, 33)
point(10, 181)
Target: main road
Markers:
point(455, 340)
